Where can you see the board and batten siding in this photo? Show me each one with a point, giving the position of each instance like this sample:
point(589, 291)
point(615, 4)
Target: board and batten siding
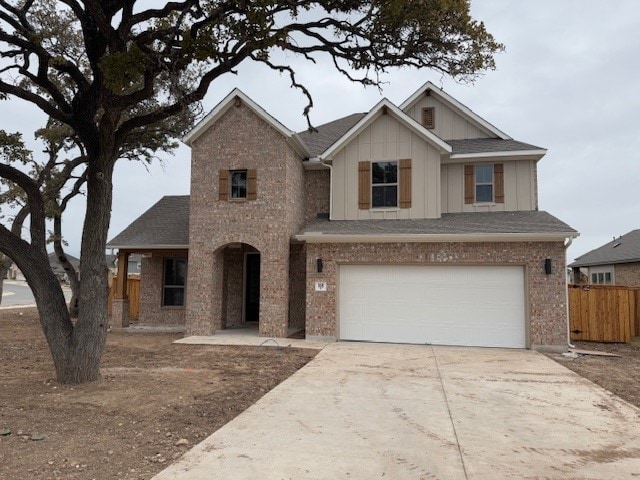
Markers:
point(448, 124)
point(519, 188)
point(386, 139)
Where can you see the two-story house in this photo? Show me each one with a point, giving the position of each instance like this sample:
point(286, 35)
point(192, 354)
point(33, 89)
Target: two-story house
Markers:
point(415, 223)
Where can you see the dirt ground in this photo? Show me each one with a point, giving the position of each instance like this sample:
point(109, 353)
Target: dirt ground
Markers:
point(155, 400)
point(617, 374)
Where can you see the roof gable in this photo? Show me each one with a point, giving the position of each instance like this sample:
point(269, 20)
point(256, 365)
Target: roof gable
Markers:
point(385, 107)
point(624, 249)
point(455, 105)
point(230, 100)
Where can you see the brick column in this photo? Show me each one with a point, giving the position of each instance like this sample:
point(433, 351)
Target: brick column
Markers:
point(120, 313)
point(204, 292)
point(274, 294)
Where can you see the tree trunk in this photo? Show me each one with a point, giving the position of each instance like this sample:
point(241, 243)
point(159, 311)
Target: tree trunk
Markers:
point(72, 275)
point(90, 331)
point(5, 265)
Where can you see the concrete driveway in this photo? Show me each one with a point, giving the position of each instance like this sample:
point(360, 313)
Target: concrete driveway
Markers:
point(365, 411)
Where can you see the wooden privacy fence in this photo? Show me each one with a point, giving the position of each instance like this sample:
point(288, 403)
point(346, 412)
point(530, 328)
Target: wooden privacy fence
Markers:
point(133, 292)
point(604, 313)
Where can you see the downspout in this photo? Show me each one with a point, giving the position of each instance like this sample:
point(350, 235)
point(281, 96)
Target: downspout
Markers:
point(566, 292)
point(330, 188)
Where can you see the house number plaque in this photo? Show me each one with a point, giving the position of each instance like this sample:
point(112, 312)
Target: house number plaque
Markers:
point(321, 286)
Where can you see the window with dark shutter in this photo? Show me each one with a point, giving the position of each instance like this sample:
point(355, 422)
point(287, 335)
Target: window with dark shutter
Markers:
point(223, 185)
point(405, 183)
point(498, 179)
point(364, 185)
point(252, 184)
point(469, 185)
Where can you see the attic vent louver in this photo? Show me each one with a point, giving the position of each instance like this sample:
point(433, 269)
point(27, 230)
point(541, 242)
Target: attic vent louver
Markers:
point(428, 117)
point(617, 245)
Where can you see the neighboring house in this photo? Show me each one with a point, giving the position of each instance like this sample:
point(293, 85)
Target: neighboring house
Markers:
point(134, 265)
point(615, 263)
point(415, 223)
point(57, 268)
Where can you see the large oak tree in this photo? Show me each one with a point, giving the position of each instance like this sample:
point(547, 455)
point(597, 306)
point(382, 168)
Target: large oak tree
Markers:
point(113, 70)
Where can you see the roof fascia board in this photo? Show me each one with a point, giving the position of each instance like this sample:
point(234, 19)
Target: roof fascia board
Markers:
point(148, 247)
point(226, 103)
point(455, 105)
point(318, 237)
point(373, 115)
point(512, 155)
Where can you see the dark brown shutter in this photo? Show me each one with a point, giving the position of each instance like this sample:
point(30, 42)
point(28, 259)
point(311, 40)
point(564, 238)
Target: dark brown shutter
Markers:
point(223, 185)
point(405, 183)
point(364, 185)
point(429, 117)
point(469, 184)
point(252, 184)
point(498, 180)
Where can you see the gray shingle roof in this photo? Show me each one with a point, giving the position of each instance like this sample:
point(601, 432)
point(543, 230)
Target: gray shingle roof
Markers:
point(535, 222)
point(327, 134)
point(165, 224)
point(488, 145)
point(624, 249)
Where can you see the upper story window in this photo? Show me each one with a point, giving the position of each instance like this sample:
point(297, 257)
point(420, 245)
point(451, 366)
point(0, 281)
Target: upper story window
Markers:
point(238, 184)
point(384, 184)
point(175, 276)
point(484, 183)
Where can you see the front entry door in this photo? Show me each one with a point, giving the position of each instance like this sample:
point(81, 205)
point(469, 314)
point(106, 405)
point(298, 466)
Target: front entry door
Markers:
point(252, 288)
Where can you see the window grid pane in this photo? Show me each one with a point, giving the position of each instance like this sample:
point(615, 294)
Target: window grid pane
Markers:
point(239, 184)
point(384, 184)
point(484, 183)
point(175, 274)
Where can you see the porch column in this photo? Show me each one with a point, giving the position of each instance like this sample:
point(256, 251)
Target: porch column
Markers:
point(204, 304)
point(274, 294)
point(120, 305)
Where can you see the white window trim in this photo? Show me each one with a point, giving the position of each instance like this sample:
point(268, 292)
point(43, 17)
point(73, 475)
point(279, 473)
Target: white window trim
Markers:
point(475, 185)
point(397, 185)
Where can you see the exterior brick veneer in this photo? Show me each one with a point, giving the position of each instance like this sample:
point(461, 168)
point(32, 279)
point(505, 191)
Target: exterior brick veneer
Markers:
point(151, 282)
point(316, 193)
point(241, 140)
point(546, 309)
point(120, 313)
point(627, 274)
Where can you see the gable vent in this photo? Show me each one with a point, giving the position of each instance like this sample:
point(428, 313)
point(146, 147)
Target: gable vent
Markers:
point(429, 117)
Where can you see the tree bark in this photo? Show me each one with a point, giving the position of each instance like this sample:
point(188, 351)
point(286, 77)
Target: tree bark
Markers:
point(5, 265)
point(61, 257)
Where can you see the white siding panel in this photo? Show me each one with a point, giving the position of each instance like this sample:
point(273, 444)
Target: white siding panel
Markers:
point(441, 305)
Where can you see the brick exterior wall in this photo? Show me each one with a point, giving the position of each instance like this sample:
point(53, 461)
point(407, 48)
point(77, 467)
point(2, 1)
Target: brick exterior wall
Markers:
point(242, 140)
point(627, 274)
point(151, 282)
point(297, 286)
point(547, 327)
point(316, 193)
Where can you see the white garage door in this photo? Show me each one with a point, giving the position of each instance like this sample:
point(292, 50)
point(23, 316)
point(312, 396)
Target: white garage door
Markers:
point(440, 305)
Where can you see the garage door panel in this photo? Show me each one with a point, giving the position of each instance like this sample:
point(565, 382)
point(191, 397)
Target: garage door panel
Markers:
point(448, 305)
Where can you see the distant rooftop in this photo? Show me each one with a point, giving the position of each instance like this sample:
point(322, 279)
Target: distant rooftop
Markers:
point(624, 249)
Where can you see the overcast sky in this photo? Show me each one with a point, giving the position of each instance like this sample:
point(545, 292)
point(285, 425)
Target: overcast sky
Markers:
point(568, 81)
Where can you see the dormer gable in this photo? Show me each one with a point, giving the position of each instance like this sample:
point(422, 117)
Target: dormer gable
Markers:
point(385, 107)
point(439, 112)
